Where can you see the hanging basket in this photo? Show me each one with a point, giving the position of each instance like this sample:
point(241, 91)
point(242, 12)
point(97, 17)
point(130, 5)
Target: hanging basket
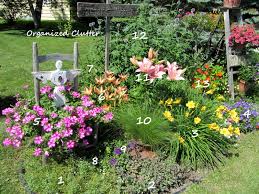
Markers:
point(232, 3)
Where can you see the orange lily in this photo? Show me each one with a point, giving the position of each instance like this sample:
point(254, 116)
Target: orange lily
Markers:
point(100, 81)
point(88, 91)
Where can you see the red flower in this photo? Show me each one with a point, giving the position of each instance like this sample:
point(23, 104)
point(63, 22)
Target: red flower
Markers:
point(199, 70)
point(207, 66)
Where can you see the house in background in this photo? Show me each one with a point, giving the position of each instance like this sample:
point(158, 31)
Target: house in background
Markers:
point(58, 10)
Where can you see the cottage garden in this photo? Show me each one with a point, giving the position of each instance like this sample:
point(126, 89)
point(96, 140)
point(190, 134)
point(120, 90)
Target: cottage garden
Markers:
point(159, 119)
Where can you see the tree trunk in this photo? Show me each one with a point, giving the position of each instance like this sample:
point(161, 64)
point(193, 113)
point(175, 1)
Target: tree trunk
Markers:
point(36, 13)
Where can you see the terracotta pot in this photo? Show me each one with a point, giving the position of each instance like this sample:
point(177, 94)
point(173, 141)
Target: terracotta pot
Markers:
point(243, 86)
point(232, 3)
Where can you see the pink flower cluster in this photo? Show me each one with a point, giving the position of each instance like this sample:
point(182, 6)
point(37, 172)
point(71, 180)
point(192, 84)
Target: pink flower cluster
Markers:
point(242, 35)
point(158, 70)
point(51, 130)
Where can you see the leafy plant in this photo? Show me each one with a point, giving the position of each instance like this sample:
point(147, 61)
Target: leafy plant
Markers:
point(144, 122)
point(247, 73)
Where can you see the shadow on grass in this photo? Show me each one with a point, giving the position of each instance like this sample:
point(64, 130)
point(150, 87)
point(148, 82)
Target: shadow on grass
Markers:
point(6, 102)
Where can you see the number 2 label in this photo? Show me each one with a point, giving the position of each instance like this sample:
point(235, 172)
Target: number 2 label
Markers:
point(151, 185)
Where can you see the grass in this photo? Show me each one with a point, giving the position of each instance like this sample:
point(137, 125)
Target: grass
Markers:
point(16, 57)
point(238, 175)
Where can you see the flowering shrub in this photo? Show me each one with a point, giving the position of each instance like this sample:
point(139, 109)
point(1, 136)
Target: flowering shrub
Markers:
point(210, 79)
point(54, 130)
point(109, 90)
point(249, 119)
point(202, 138)
point(155, 69)
point(244, 35)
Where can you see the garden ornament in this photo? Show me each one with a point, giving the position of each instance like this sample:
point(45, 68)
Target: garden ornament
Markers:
point(59, 78)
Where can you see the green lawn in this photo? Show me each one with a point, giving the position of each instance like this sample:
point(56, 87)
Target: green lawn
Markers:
point(238, 175)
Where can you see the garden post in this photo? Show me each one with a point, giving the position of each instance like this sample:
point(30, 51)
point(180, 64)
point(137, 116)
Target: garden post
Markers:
point(75, 65)
point(35, 65)
point(228, 52)
point(107, 39)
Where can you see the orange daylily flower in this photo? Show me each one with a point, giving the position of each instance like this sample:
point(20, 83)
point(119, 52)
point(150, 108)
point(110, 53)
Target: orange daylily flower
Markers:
point(123, 77)
point(109, 73)
point(99, 91)
point(152, 54)
point(99, 81)
point(88, 91)
point(110, 79)
point(116, 82)
point(134, 61)
point(106, 107)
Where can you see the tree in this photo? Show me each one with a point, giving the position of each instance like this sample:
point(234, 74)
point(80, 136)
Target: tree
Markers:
point(36, 12)
point(12, 9)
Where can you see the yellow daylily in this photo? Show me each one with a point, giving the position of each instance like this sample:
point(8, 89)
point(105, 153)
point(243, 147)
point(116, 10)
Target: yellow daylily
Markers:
point(237, 131)
point(210, 92)
point(191, 104)
point(220, 98)
point(197, 120)
point(187, 114)
point(225, 132)
point(221, 108)
point(219, 115)
point(181, 139)
point(161, 102)
point(203, 108)
point(169, 101)
point(177, 101)
point(214, 126)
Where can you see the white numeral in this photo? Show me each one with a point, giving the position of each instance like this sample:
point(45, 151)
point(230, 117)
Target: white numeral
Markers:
point(95, 161)
point(123, 148)
point(101, 97)
point(146, 121)
point(151, 185)
point(141, 35)
point(60, 182)
point(91, 67)
point(247, 114)
point(36, 121)
point(195, 133)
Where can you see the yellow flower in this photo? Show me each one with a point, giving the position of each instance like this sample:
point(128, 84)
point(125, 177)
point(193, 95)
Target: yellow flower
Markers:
point(219, 115)
point(210, 92)
point(169, 101)
point(187, 114)
point(177, 101)
point(232, 113)
point(197, 120)
point(214, 85)
point(214, 126)
point(235, 119)
point(230, 129)
point(237, 131)
point(221, 108)
point(181, 140)
point(203, 108)
point(220, 98)
point(168, 115)
point(161, 102)
point(190, 104)
point(171, 119)
point(225, 132)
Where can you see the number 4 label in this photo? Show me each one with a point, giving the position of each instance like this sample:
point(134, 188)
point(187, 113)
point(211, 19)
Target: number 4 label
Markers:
point(247, 114)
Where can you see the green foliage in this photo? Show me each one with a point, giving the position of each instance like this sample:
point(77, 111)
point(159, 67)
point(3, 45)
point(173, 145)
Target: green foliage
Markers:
point(137, 175)
point(247, 72)
point(155, 133)
point(181, 40)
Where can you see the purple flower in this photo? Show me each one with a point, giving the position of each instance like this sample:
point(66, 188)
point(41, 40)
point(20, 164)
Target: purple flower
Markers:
point(16, 117)
point(85, 142)
point(76, 95)
point(69, 108)
point(113, 161)
point(45, 89)
point(117, 151)
point(46, 153)
point(55, 136)
point(88, 131)
point(51, 96)
point(39, 110)
point(54, 115)
point(67, 133)
point(47, 127)
point(16, 143)
point(61, 88)
point(71, 144)
point(7, 121)
point(37, 152)
point(132, 145)
point(7, 142)
point(8, 111)
point(38, 140)
point(108, 116)
point(44, 121)
point(51, 143)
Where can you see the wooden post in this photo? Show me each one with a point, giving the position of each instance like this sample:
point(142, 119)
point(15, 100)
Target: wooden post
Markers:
point(107, 39)
point(75, 65)
point(228, 52)
point(35, 65)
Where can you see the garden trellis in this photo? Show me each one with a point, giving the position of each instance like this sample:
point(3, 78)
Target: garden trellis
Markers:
point(107, 10)
point(57, 77)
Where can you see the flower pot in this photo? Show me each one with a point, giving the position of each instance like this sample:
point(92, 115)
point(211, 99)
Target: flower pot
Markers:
point(232, 3)
point(243, 86)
